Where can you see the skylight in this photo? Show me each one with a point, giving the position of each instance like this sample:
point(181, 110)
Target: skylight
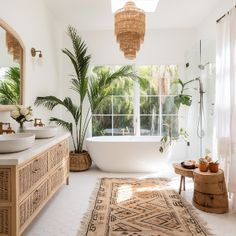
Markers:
point(146, 5)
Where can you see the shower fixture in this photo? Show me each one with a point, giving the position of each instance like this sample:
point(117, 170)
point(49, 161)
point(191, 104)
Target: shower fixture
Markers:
point(200, 131)
point(203, 67)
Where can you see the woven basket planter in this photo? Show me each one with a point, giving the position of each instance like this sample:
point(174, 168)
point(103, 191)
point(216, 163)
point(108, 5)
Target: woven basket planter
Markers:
point(80, 161)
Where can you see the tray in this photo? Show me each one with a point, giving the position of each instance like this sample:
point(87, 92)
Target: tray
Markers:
point(188, 166)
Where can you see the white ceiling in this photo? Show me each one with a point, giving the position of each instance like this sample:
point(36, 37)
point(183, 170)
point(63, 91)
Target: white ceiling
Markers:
point(97, 15)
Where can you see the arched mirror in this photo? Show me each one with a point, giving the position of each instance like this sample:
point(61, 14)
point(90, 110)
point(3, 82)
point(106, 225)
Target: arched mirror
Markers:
point(11, 68)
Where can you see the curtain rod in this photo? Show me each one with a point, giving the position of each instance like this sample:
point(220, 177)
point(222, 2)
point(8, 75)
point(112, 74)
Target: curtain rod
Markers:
point(222, 17)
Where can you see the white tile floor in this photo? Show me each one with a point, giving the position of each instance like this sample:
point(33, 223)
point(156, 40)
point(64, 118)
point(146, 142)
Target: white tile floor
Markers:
point(62, 215)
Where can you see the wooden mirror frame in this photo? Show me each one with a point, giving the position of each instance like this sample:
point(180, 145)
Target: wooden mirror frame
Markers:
point(9, 29)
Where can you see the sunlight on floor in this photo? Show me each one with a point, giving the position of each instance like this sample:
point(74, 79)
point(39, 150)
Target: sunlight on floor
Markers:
point(124, 193)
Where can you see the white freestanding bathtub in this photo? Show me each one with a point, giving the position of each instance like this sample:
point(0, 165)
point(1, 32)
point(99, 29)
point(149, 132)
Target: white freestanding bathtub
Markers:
point(127, 153)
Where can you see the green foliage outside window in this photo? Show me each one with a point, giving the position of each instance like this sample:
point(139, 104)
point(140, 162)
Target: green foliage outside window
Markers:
point(157, 92)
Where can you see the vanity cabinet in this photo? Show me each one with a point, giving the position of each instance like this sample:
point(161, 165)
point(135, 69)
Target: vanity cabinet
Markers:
point(25, 188)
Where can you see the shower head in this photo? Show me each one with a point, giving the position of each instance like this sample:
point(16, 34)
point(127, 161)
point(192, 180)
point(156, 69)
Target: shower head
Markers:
point(203, 67)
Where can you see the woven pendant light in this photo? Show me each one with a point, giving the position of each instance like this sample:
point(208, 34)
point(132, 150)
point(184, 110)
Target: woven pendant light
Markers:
point(130, 29)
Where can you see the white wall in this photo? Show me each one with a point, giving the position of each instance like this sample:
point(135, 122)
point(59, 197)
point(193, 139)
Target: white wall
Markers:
point(159, 47)
point(33, 22)
point(207, 29)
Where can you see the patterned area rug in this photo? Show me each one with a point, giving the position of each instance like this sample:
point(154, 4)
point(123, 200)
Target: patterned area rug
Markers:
point(140, 207)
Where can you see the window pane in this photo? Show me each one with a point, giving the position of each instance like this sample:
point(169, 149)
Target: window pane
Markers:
point(149, 105)
point(149, 74)
point(105, 107)
point(173, 123)
point(123, 125)
point(168, 106)
point(160, 80)
point(122, 86)
point(149, 125)
point(123, 105)
point(101, 125)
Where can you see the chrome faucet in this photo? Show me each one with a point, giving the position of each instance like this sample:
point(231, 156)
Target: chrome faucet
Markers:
point(9, 130)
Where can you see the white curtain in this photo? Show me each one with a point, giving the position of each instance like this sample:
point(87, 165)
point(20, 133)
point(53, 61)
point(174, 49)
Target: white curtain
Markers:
point(225, 102)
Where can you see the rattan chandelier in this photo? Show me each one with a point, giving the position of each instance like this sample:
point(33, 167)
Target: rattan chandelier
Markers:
point(130, 29)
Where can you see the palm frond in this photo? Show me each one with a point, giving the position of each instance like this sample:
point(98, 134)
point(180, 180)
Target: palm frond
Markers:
point(72, 108)
point(100, 84)
point(49, 102)
point(66, 125)
point(80, 60)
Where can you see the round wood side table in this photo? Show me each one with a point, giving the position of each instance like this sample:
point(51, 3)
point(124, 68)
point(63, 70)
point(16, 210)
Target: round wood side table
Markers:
point(210, 193)
point(183, 172)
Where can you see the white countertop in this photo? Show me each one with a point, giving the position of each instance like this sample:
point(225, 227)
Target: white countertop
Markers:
point(40, 145)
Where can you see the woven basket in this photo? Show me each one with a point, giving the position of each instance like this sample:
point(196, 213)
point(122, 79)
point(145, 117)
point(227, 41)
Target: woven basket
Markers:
point(80, 161)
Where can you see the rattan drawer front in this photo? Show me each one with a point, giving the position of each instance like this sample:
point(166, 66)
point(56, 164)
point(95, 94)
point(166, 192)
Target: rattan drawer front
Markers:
point(58, 177)
point(5, 183)
point(32, 172)
point(58, 153)
point(4, 221)
point(32, 203)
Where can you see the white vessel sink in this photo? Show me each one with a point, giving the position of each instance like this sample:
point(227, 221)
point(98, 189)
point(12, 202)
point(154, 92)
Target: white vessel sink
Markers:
point(16, 142)
point(42, 132)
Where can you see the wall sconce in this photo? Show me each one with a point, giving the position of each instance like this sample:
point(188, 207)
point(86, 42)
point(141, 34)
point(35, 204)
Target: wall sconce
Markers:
point(34, 52)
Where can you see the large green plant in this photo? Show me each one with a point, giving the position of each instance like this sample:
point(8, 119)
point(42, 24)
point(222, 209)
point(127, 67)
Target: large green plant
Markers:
point(10, 87)
point(181, 99)
point(95, 88)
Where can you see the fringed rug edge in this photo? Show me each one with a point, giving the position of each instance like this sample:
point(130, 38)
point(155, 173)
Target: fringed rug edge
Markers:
point(84, 223)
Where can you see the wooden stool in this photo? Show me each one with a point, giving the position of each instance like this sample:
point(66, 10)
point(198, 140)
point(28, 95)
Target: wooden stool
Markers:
point(184, 173)
point(210, 193)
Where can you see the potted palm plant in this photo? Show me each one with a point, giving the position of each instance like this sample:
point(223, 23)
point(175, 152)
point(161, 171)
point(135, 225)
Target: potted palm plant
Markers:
point(95, 88)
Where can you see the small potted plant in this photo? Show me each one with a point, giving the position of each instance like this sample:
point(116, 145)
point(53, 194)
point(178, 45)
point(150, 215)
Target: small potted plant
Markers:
point(214, 166)
point(203, 165)
point(21, 115)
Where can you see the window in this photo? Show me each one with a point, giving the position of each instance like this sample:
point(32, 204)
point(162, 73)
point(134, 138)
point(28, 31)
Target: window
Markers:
point(141, 109)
